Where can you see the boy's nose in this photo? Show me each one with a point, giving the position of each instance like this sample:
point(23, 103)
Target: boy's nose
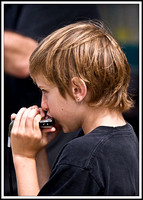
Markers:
point(44, 105)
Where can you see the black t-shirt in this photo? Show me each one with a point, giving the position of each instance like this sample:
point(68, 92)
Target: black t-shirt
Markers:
point(101, 163)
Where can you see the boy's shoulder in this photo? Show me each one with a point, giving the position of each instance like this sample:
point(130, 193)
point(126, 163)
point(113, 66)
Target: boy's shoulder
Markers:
point(76, 152)
point(102, 140)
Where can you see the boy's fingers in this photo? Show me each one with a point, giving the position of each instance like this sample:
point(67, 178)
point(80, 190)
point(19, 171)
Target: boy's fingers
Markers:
point(13, 116)
point(36, 121)
point(48, 130)
point(24, 117)
point(18, 117)
point(42, 113)
point(31, 115)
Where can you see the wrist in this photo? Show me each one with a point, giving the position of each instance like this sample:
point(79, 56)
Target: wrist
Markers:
point(22, 160)
point(26, 175)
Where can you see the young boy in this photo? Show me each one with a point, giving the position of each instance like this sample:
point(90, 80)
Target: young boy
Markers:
point(83, 75)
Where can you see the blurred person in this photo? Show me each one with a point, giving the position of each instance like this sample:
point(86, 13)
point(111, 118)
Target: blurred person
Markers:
point(25, 26)
point(17, 50)
point(84, 76)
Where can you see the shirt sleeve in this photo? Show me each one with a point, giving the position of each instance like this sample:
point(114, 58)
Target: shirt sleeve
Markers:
point(68, 180)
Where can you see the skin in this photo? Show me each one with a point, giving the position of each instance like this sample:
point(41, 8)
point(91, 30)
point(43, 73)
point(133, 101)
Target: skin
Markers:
point(24, 157)
point(71, 113)
point(17, 50)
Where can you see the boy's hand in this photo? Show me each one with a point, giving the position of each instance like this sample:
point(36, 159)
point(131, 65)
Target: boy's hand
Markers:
point(27, 139)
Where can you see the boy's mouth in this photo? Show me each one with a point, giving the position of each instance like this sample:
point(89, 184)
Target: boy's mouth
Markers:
point(48, 117)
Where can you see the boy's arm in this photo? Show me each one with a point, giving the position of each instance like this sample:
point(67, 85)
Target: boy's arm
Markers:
point(43, 169)
point(26, 174)
point(31, 173)
point(27, 142)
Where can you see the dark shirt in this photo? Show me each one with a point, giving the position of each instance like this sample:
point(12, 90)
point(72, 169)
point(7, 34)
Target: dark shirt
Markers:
point(101, 163)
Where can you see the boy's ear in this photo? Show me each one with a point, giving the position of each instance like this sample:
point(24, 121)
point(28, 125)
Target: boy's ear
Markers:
point(79, 89)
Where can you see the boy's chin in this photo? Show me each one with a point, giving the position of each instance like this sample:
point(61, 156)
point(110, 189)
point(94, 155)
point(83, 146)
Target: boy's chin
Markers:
point(68, 130)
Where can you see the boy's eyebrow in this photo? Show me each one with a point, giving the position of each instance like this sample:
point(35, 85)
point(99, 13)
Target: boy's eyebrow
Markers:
point(39, 86)
point(43, 90)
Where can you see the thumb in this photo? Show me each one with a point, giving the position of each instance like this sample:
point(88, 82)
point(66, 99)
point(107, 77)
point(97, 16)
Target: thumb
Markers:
point(49, 135)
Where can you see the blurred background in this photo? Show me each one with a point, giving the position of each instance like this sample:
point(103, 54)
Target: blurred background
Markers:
point(36, 22)
point(123, 22)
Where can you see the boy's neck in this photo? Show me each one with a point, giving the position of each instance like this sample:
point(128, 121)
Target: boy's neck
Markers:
point(101, 117)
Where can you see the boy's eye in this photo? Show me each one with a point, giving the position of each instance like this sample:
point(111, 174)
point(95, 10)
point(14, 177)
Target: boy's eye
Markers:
point(44, 91)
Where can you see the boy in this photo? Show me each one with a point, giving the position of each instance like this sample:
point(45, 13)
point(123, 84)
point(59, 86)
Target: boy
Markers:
point(83, 75)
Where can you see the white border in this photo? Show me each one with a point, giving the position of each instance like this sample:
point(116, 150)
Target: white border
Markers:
point(71, 2)
point(2, 100)
point(140, 99)
point(140, 96)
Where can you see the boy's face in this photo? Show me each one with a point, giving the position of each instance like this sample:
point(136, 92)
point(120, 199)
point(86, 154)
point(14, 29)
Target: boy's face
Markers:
point(63, 110)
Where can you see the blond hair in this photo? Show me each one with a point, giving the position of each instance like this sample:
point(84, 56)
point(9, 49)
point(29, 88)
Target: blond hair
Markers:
point(85, 50)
